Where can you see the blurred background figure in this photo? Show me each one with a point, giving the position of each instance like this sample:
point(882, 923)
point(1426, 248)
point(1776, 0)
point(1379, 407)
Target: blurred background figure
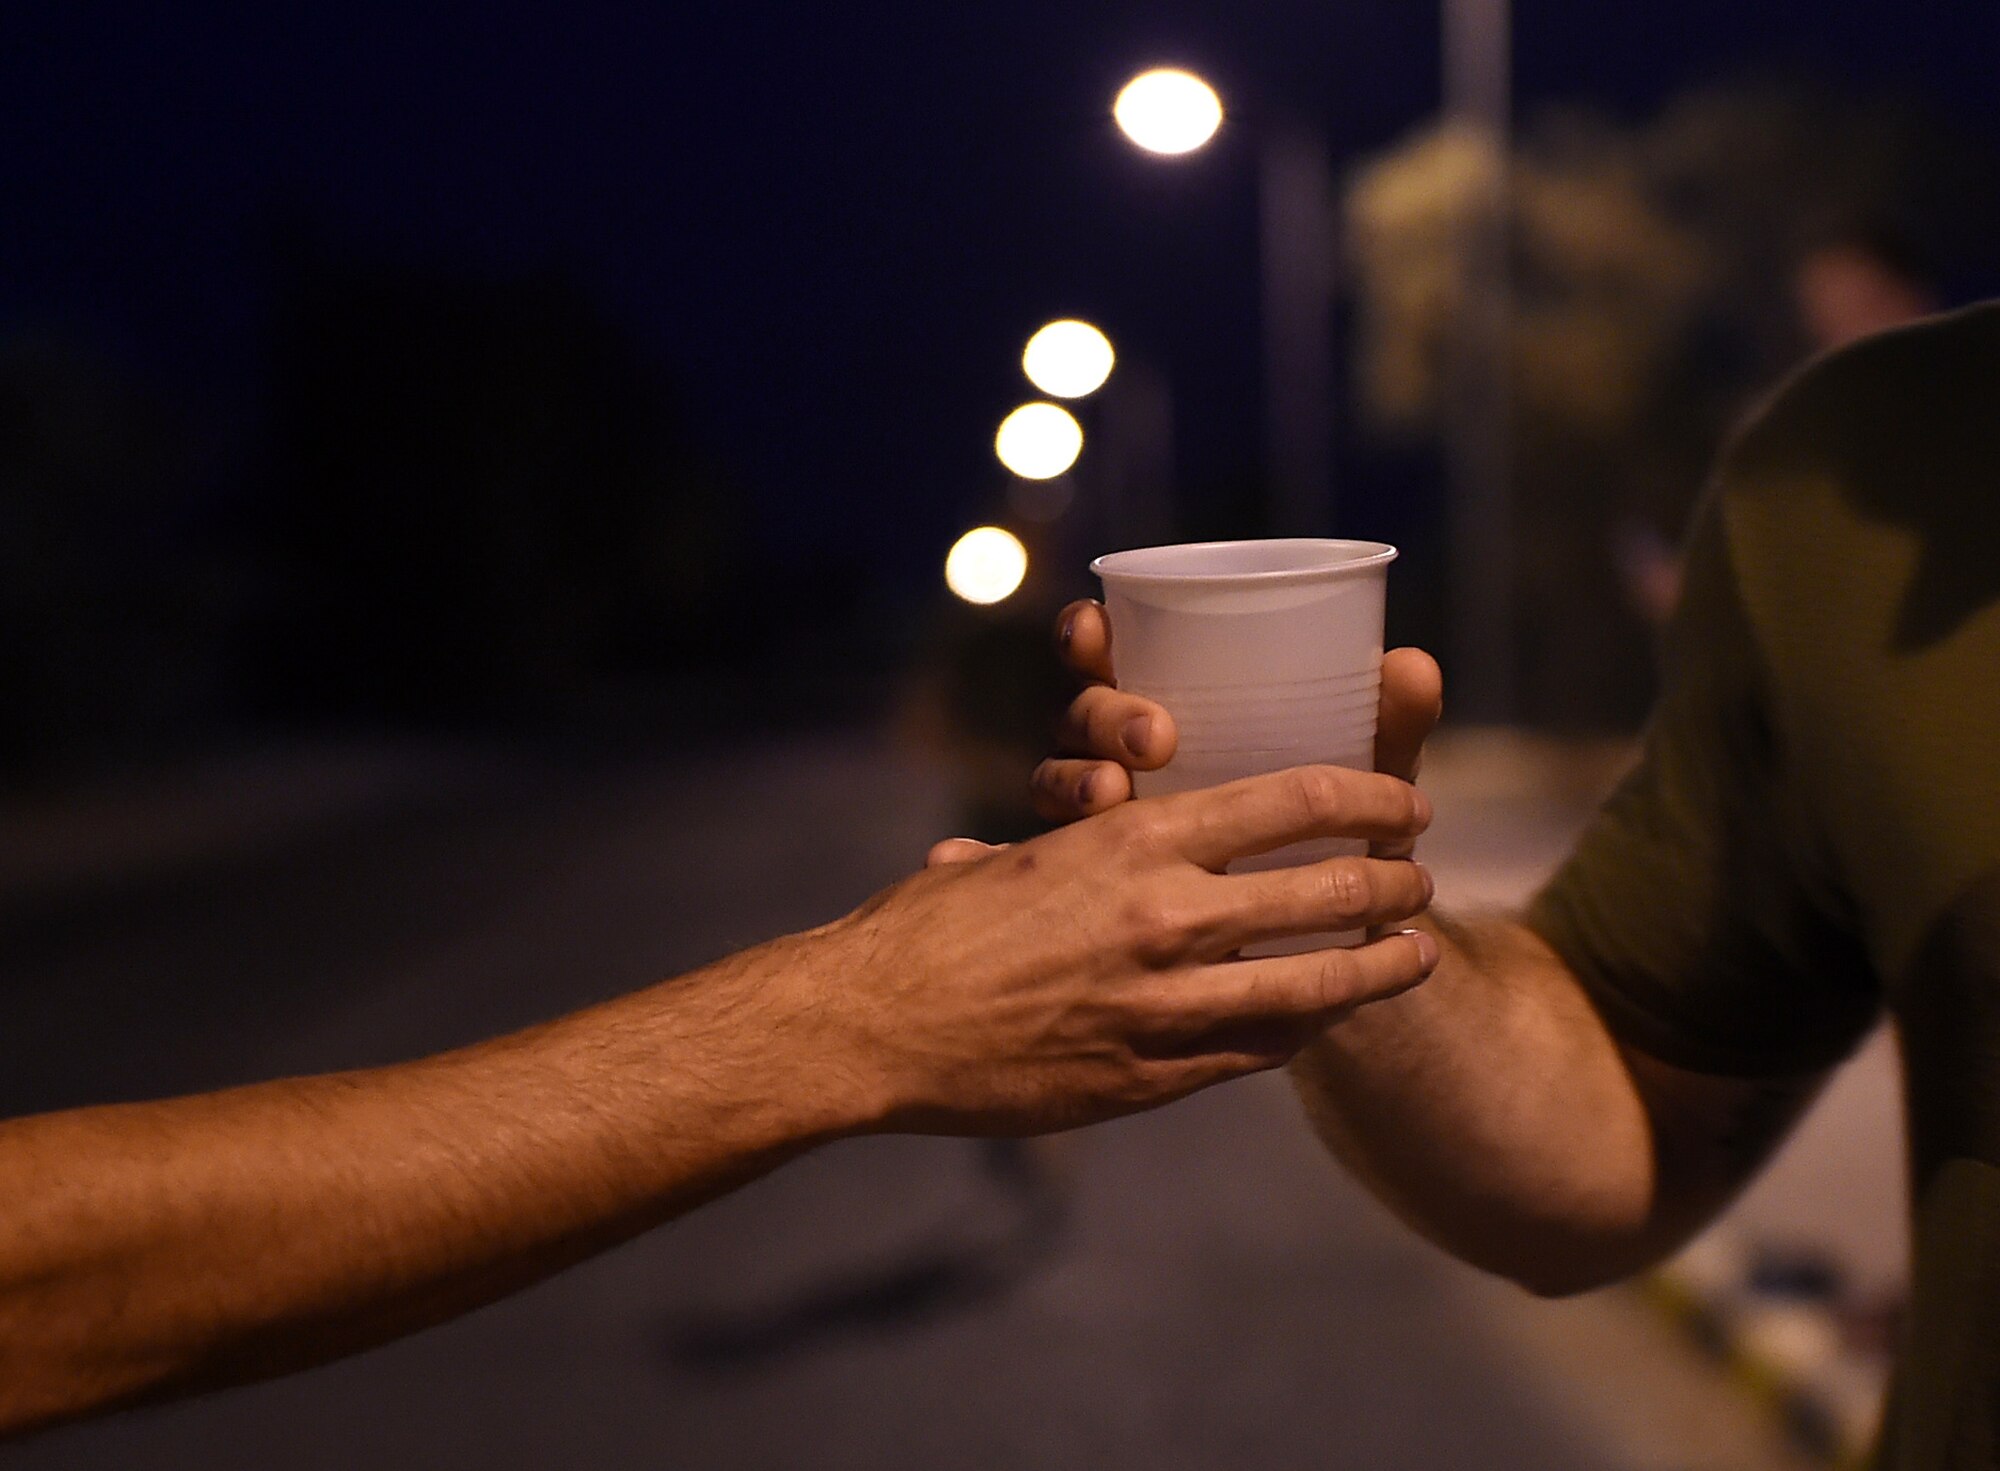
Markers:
point(1849, 286)
point(1852, 284)
point(1859, 283)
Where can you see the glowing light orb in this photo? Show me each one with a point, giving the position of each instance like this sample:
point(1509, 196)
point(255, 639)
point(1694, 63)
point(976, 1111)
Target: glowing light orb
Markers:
point(1068, 359)
point(1168, 111)
point(985, 565)
point(1038, 441)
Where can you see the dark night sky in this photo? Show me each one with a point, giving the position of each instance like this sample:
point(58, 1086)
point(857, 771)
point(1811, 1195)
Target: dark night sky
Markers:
point(833, 225)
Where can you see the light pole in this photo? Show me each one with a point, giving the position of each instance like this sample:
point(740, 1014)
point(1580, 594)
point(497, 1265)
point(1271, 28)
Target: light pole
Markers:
point(1297, 259)
point(1174, 112)
point(1477, 76)
point(1295, 246)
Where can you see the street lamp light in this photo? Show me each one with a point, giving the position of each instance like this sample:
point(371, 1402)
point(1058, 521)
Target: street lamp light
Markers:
point(1296, 247)
point(986, 565)
point(1068, 359)
point(1039, 441)
point(1168, 111)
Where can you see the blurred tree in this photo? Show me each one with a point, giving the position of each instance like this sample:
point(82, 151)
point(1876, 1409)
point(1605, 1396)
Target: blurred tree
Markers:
point(1653, 292)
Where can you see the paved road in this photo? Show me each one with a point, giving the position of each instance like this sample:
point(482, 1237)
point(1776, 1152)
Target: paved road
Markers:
point(1218, 1297)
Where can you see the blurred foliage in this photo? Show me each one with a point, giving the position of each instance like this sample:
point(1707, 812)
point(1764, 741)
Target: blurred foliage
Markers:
point(1603, 278)
point(1626, 242)
point(1652, 275)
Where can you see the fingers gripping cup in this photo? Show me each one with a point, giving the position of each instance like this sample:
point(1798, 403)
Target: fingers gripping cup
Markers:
point(1268, 654)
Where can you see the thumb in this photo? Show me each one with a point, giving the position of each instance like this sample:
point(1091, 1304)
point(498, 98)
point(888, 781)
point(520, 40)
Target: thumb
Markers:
point(1412, 699)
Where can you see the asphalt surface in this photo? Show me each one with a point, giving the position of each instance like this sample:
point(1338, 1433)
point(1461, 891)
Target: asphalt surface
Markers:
point(1196, 1288)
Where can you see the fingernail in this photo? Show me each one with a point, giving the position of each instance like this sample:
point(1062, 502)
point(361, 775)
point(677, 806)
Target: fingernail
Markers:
point(1423, 809)
point(1085, 784)
point(1427, 950)
point(1138, 730)
point(1430, 884)
point(1068, 629)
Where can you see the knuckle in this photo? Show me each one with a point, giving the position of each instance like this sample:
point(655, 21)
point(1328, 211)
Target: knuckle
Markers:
point(1139, 1084)
point(1151, 1013)
point(1049, 798)
point(1317, 790)
point(1337, 978)
point(1159, 928)
point(1142, 825)
point(1051, 809)
point(1061, 782)
point(1346, 890)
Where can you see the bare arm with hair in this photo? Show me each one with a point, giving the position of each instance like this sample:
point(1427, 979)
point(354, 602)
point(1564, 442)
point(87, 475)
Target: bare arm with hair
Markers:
point(156, 1248)
point(1497, 1115)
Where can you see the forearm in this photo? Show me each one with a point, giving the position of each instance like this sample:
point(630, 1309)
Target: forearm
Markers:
point(195, 1242)
point(1493, 1112)
point(1082, 975)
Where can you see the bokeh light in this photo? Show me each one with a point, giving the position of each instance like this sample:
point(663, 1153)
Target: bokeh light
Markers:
point(1039, 440)
point(985, 565)
point(1168, 111)
point(1068, 359)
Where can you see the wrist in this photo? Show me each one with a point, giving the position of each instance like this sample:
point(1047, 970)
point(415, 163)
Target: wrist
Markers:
point(773, 1022)
point(840, 1068)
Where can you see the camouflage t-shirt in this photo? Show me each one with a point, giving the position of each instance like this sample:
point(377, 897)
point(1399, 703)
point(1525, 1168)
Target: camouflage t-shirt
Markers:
point(1813, 834)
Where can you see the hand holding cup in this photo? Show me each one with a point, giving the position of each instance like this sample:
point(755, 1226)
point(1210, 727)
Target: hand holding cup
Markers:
point(1266, 655)
point(1107, 733)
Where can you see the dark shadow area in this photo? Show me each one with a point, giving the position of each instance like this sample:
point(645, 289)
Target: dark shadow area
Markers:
point(113, 608)
point(483, 499)
point(967, 1265)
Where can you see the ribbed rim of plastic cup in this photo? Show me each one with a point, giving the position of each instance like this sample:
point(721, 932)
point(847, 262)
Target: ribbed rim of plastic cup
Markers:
point(1287, 560)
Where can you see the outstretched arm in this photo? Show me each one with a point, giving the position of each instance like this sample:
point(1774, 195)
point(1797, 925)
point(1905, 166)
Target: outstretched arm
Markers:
point(155, 1248)
point(178, 1245)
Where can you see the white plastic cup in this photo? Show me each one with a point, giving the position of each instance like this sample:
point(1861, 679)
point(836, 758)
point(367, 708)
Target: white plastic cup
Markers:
point(1268, 654)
